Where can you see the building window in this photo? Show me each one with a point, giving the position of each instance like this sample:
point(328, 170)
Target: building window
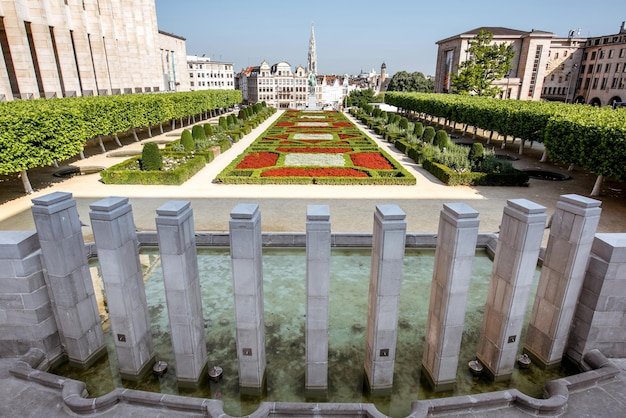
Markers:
point(585, 55)
point(604, 81)
point(611, 53)
point(587, 82)
point(621, 53)
point(191, 83)
point(607, 68)
point(601, 54)
point(595, 83)
point(593, 55)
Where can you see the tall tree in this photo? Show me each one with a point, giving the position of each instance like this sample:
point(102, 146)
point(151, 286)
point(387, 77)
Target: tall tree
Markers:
point(487, 62)
point(415, 81)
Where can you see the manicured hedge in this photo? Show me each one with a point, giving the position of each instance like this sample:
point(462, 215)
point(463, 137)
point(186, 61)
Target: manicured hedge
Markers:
point(121, 174)
point(453, 178)
point(590, 137)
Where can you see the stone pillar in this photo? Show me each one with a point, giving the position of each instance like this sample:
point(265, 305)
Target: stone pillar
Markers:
point(246, 255)
point(574, 223)
point(179, 261)
point(454, 256)
point(599, 321)
point(118, 253)
point(384, 296)
point(317, 291)
point(521, 232)
point(68, 278)
point(26, 318)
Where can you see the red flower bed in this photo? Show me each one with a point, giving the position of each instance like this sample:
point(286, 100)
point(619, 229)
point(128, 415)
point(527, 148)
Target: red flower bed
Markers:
point(258, 160)
point(313, 172)
point(284, 124)
point(346, 136)
point(318, 150)
point(371, 160)
point(342, 125)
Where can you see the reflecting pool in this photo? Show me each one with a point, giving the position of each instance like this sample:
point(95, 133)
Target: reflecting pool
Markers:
point(285, 301)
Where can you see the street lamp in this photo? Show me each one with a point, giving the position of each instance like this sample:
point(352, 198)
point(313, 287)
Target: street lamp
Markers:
point(507, 76)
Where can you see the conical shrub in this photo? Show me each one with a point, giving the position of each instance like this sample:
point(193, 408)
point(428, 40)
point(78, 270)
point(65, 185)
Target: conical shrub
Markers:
point(151, 159)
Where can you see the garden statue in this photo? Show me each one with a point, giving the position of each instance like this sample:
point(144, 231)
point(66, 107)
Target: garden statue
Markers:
point(312, 83)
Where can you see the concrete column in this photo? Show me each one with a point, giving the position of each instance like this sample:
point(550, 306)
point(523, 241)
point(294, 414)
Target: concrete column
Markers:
point(179, 261)
point(574, 224)
point(118, 252)
point(521, 231)
point(599, 321)
point(246, 255)
point(384, 296)
point(26, 318)
point(317, 291)
point(454, 256)
point(69, 281)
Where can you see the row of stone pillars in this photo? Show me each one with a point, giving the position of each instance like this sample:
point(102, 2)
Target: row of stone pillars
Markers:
point(68, 319)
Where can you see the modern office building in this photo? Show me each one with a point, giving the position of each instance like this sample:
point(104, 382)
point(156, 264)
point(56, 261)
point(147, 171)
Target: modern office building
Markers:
point(80, 48)
point(206, 74)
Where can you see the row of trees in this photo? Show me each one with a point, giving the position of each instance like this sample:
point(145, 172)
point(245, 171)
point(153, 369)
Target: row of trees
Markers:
point(39, 133)
point(589, 137)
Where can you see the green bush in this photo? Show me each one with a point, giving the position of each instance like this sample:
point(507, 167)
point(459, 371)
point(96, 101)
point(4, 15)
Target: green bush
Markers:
point(221, 122)
point(404, 123)
point(197, 132)
point(453, 178)
point(476, 154)
point(442, 140)
point(429, 135)
point(418, 130)
point(186, 138)
point(123, 173)
point(208, 130)
point(151, 159)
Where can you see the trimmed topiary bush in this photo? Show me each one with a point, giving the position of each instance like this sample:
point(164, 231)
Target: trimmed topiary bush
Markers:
point(208, 129)
point(418, 130)
point(197, 132)
point(222, 123)
point(404, 123)
point(442, 140)
point(151, 159)
point(186, 138)
point(429, 135)
point(476, 153)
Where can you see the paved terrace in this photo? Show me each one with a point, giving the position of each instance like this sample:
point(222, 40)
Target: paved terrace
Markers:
point(283, 209)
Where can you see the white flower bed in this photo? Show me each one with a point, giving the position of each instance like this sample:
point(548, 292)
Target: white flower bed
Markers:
point(313, 136)
point(313, 124)
point(313, 117)
point(322, 160)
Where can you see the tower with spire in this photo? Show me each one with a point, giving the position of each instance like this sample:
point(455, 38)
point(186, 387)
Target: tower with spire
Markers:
point(311, 64)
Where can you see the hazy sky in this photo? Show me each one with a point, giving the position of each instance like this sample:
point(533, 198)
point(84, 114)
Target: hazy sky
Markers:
point(354, 36)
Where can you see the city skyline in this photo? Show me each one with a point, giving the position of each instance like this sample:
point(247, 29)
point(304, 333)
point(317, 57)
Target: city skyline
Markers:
point(354, 38)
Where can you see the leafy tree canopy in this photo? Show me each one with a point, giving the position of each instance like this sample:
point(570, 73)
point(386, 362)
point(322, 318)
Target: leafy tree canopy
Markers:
point(415, 81)
point(362, 97)
point(487, 62)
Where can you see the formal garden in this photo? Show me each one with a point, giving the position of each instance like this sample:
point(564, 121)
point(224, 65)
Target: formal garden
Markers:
point(184, 157)
point(314, 147)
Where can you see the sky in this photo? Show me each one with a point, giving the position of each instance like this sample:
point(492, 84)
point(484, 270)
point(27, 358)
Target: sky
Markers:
point(352, 37)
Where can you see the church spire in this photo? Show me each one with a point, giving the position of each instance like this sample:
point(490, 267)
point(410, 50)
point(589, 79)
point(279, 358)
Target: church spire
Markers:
point(311, 65)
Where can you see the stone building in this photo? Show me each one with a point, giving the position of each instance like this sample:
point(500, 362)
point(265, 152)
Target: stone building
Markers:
point(572, 69)
point(78, 48)
point(205, 74)
point(276, 84)
point(602, 79)
point(562, 68)
point(528, 66)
